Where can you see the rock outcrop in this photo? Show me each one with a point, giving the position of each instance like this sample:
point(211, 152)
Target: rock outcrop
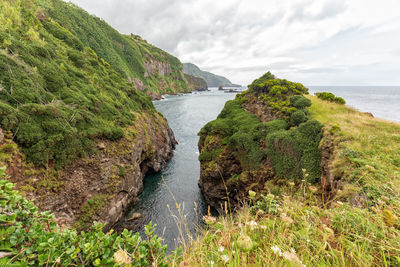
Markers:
point(196, 83)
point(101, 187)
point(262, 138)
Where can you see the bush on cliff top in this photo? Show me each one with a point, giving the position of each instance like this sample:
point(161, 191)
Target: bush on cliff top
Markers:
point(330, 97)
point(56, 95)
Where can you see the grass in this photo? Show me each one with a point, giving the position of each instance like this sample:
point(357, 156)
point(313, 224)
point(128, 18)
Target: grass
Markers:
point(296, 231)
point(367, 157)
point(293, 226)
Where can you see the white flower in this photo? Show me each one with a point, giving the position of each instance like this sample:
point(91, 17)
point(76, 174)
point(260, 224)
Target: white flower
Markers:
point(211, 263)
point(293, 250)
point(225, 258)
point(276, 250)
point(253, 223)
point(221, 249)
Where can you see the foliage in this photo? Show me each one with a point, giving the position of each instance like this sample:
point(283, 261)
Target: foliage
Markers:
point(58, 96)
point(126, 54)
point(292, 151)
point(366, 157)
point(330, 97)
point(33, 239)
point(292, 229)
point(252, 141)
point(266, 77)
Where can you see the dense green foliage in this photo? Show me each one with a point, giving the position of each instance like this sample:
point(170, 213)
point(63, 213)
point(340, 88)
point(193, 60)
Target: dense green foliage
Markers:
point(56, 94)
point(211, 79)
point(32, 238)
point(126, 54)
point(266, 77)
point(289, 150)
point(330, 97)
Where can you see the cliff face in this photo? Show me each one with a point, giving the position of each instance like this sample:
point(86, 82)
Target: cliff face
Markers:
point(211, 79)
point(100, 187)
point(196, 83)
point(77, 132)
point(130, 55)
point(264, 136)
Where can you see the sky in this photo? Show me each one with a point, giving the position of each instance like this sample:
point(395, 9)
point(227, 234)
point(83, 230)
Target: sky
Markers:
point(316, 42)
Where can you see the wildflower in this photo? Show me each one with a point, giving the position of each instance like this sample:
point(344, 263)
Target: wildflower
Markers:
point(291, 183)
point(252, 223)
point(221, 249)
point(225, 258)
point(303, 170)
point(211, 263)
point(293, 250)
point(121, 257)
point(252, 194)
point(276, 250)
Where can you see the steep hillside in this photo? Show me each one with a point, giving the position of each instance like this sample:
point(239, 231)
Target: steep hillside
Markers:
point(196, 83)
point(314, 183)
point(211, 79)
point(77, 135)
point(149, 68)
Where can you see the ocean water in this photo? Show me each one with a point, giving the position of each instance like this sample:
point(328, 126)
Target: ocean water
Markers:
point(382, 101)
point(178, 182)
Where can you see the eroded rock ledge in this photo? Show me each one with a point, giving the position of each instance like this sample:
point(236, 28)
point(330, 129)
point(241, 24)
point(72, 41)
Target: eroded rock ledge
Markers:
point(101, 187)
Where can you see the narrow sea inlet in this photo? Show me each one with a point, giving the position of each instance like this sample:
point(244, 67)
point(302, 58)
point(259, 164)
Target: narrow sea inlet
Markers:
point(178, 182)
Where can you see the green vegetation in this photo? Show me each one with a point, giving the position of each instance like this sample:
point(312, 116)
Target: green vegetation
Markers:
point(366, 157)
point(330, 97)
point(127, 55)
point(288, 150)
point(294, 225)
point(211, 79)
point(292, 229)
point(32, 238)
point(60, 89)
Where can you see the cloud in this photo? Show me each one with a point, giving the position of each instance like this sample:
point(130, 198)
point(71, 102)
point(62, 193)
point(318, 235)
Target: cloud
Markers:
point(311, 41)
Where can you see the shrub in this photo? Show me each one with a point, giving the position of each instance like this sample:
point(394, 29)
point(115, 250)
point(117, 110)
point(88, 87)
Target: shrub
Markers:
point(300, 102)
point(33, 239)
point(298, 117)
point(330, 97)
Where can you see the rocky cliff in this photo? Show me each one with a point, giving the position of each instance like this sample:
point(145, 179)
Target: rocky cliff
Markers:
point(264, 136)
point(99, 187)
point(211, 79)
point(196, 83)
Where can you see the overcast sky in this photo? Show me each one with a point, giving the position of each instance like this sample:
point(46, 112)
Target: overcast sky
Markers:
point(317, 42)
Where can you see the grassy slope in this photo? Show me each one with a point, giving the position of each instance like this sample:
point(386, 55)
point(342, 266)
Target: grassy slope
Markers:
point(368, 155)
point(300, 228)
point(126, 54)
point(57, 94)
